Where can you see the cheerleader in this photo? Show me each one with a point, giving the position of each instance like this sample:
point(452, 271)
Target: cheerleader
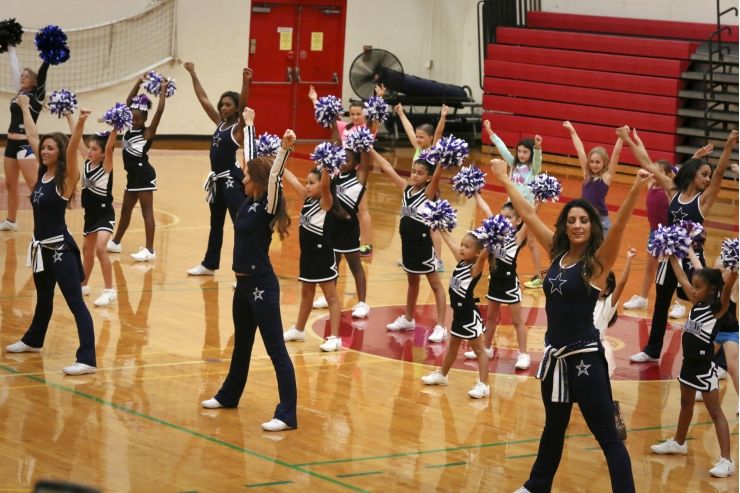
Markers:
point(141, 178)
point(224, 188)
point(417, 252)
point(710, 297)
point(53, 253)
point(467, 324)
point(97, 200)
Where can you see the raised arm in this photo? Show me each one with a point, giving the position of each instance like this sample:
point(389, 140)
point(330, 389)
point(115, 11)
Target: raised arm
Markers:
point(248, 134)
point(410, 132)
point(440, 130)
point(578, 146)
point(200, 93)
point(639, 151)
point(294, 182)
point(706, 201)
point(619, 288)
point(454, 248)
point(238, 130)
point(613, 161)
point(363, 168)
point(388, 169)
point(480, 262)
point(83, 150)
point(327, 200)
point(134, 90)
point(276, 171)
point(40, 92)
point(502, 149)
point(683, 281)
point(483, 205)
point(537, 155)
point(380, 92)
point(703, 151)
point(32, 132)
point(110, 144)
point(151, 130)
point(15, 69)
point(433, 187)
point(694, 259)
point(726, 294)
point(73, 168)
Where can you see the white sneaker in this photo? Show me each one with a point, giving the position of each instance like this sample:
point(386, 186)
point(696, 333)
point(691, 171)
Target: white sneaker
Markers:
point(439, 334)
point(143, 255)
point(670, 446)
point(723, 468)
point(293, 334)
point(320, 303)
point(677, 310)
point(8, 226)
point(721, 373)
point(211, 403)
point(332, 343)
point(275, 425)
point(699, 397)
point(479, 390)
point(636, 303)
point(107, 297)
point(435, 378)
point(402, 324)
point(360, 310)
point(79, 369)
point(471, 354)
point(21, 347)
point(113, 247)
point(199, 270)
point(85, 290)
point(643, 357)
point(522, 361)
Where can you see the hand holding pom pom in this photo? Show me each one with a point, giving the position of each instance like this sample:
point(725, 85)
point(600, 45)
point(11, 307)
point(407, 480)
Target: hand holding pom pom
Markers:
point(154, 82)
point(62, 103)
point(327, 110)
point(729, 253)
point(670, 240)
point(499, 168)
point(360, 139)
point(267, 144)
point(495, 232)
point(545, 188)
point(327, 155)
point(119, 117)
point(376, 109)
point(11, 33)
point(141, 102)
point(696, 233)
point(288, 139)
point(430, 156)
point(469, 180)
point(438, 215)
point(452, 151)
point(52, 45)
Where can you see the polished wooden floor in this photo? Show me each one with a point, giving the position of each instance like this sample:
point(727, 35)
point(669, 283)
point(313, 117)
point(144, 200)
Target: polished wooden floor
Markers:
point(366, 422)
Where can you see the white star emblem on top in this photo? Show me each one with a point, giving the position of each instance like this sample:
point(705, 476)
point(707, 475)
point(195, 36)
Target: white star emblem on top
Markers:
point(229, 183)
point(253, 207)
point(679, 215)
point(37, 194)
point(557, 283)
point(582, 368)
point(258, 294)
point(216, 141)
point(57, 256)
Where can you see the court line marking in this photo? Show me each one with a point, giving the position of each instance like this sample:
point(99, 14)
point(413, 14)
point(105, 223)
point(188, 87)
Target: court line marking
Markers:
point(356, 474)
point(449, 464)
point(273, 483)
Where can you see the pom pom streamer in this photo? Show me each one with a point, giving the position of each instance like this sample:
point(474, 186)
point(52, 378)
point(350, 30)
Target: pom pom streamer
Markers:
point(328, 110)
point(376, 110)
point(141, 102)
point(438, 215)
point(153, 84)
point(62, 102)
point(696, 233)
point(469, 180)
point(11, 33)
point(452, 151)
point(267, 144)
point(360, 139)
point(670, 240)
point(327, 155)
point(52, 45)
point(119, 117)
point(728, 255)
point(545, 188)
point(495, 232)
point(430, 156)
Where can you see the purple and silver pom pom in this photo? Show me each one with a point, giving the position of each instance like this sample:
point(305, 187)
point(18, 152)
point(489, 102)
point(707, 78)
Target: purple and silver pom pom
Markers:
point(728, 254)
point(438, 215)
point(696, 233)
point(52, 45)
point(670, 240)
point(62, 102)
point(119, 117)
point(104, 134)
point(153, 84)
point(11, 33)
point(376, 110)
point(452, 151)
point(430, 156)
point(495, 232)
point(141, 102)
point(360, 139)
point(267, 144)
point(545, 188)
point(328, 110)
point(327, 155)
point(469, 180)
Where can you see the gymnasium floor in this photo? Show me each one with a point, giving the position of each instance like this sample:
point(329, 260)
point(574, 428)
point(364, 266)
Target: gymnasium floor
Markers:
point(366, 422)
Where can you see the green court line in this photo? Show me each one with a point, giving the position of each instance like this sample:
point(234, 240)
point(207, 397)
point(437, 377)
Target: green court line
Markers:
point(354, 474)
point(449, 464)
point(274, 483)
point(590, 449)
point(122, 408)
point(522, 456)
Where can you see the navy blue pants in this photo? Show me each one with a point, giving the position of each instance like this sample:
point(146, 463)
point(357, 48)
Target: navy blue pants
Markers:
point(592, 390)
point(257, 305)
point(66, 271)
point(229, 196)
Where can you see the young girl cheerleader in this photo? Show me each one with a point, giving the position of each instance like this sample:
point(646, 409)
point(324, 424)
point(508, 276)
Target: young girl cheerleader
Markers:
point(526, 165)
point(53, 253)
point(710, 298)
point(141, 178)
point(97, 200)
point(224, 183)
point(417, 252)
point(598, 169)
point(467, 324)
point(503, 287)
point(318, 263)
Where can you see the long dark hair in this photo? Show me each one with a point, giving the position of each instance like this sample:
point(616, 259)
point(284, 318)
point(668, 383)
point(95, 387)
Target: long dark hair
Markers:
point(561, 245)
point(529, 144)
point(259, 172)
point(687, 172)
point(713, 277)
point(60, 173)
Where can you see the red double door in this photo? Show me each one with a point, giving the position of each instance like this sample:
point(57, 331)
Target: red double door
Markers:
point(294, 44)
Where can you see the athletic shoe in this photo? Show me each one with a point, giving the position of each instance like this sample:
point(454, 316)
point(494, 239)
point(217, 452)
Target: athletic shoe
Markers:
point(677, 310)
point(321, 303)
point(113, 247)
point(7, 225)
point(143, 255)
point(360, 310)
point(439, 334)
point(522, 490)
point(479, 390)
point(721, 373)
point(533, 283)
point(522, 361)
point(79, 369)
point(85, 290)
point(471, 354)
point(439, 266)
point(293, 334)
point(643, 357)
point(199, 270)
point(402, 324)
point(107, 297)
point(21, 347)
point(723, 468)
point(699, 397)
point(211, 403)
point(366, 250)
point(332, 343)
point(275, 425)
point(636, 303)
point(435, 378)
point(619, 421)
point(670, 447)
